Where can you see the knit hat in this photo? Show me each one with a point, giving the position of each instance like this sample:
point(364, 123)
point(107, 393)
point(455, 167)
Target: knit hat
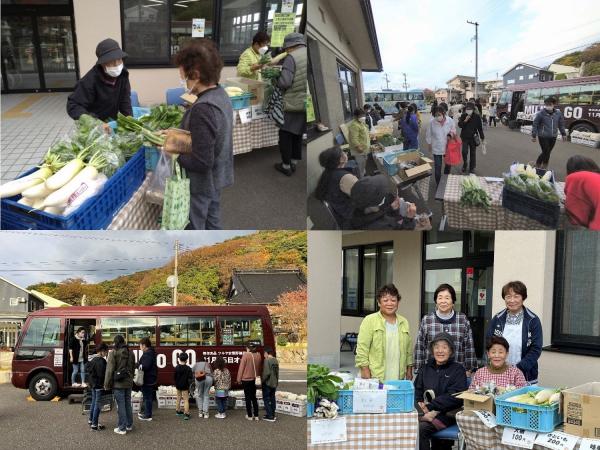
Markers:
point(442, 337)
point(369, 191)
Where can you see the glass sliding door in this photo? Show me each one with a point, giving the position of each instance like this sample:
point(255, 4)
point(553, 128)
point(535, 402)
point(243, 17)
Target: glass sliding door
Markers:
point(57, 51)
point(19, 60)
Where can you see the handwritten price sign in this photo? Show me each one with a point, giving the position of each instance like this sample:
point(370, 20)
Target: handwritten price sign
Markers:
point(557, 441)
point(488, 419)
point(589, 444)
point(518, 438)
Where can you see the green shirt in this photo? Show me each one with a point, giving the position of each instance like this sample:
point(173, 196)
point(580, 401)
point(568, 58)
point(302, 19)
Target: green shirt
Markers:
point(360, 142)
point(392, 352)
point(247, 59)
point(371, 346)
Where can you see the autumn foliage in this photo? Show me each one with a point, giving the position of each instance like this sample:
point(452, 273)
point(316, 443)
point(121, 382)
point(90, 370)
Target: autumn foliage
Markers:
point(291, 313)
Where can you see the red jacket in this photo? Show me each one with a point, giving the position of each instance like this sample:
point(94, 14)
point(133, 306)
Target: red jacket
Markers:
point(582, 192)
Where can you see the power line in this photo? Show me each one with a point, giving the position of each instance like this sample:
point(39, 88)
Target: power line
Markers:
point(92, 238)
point(84, 261)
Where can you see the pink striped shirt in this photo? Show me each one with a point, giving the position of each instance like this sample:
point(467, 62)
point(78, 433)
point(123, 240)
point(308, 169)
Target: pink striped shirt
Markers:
point(510, 377)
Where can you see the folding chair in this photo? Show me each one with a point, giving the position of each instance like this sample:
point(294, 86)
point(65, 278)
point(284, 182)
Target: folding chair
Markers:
point(350, 339)
point(134, 99)
point(332, 215)
point(451, 434)
point(173, 96)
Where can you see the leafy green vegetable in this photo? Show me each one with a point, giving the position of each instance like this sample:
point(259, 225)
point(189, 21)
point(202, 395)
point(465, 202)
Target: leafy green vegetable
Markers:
point(532, 186)
point(162, 117)
point(320, 383)
point(473, 194)
point(270, 74)
point(125, 123)
point(386, 140)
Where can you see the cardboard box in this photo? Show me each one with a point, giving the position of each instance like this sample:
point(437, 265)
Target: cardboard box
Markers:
point(581, 408)
point(423, 166)
point(253, 86)
point(477, 402)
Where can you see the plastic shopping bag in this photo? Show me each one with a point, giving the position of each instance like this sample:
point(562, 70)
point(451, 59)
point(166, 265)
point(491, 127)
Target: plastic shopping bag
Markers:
point(176, 206)
point(483, 148)
point(453, 156)
point(163, 171)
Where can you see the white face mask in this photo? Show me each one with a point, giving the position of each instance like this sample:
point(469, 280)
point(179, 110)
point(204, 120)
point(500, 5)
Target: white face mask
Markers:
point(183, 83)
point(439, 118)
point(263, 50)
point(362, 119)
point(549, 108)
point(114, 71)
point(469, 111)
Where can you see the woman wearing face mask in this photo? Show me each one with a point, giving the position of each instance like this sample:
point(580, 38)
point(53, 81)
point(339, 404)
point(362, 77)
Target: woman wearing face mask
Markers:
point(105, 90)
point(249, 65)
point(521, 328)
point(446, 319)
point(360, 142)
point(471, 124)
point(210, 120)
point(436, 136)
point(410, 129)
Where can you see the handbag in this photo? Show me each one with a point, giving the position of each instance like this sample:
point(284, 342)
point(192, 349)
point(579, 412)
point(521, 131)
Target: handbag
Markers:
point(257, 380)
point(121, 375)
point(138, 376)
point(477, 139)
point(453, 156)
point(176, 205)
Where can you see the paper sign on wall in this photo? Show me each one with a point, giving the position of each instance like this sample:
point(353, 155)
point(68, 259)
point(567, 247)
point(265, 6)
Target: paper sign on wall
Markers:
point(245, 115)
point(481, 297)
point(283, 24)
point(287, 6)
point(198, 27)
point(373, 401)
point(328, 430)
point(58, 357)
point(557, 440)
point(518, 438)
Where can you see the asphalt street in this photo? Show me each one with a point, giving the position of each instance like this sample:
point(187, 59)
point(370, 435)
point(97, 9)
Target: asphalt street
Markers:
point(60, 425)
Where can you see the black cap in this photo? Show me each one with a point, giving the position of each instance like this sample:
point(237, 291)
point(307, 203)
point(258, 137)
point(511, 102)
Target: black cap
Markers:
point(443, 336)
point(109, 50)
point(369, 191)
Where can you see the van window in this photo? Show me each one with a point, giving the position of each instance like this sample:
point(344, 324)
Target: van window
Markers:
point(187, 331)
point(241, 330)
point(548, 92)
point(567, 95)
point(132, 329)
point(585, 96)
point(596, 94)
point(505, 97)
point(388, 97)
point(42, 332)
point(533, 97)
point(368, 97)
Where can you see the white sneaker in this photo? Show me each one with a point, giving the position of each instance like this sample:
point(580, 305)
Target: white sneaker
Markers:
point(248, 417)
point(116, 430)
point(256, 418)
point(206, 415)
point(129, 428)
point(83, 384)
point(75, 385)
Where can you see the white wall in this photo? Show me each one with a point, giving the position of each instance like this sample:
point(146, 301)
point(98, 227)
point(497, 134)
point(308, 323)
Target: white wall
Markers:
point(324, 297)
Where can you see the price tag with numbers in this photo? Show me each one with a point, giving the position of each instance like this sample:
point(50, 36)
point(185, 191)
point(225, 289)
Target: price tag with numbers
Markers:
point(488, 419)
point(245, 115)
point(589, 444)
point(518, 438)
point(557, 440)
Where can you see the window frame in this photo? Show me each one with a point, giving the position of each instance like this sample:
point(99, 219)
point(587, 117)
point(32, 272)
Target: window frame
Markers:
point(562, 342)
point(245, 342)
point(360, 309)
point(42, 343)
point(352, 91)
point(187, 330)
point(218, 10)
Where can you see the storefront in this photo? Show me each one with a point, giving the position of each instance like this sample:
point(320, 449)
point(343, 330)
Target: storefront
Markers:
point(477, 265)
point(48, 44)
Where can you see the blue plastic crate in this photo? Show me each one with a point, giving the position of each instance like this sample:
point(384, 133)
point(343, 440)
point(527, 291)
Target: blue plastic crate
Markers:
point(310, 409)
point(399, 400)
point(152, 155)
point(543, 419)
point(389, 164)
point(95, 213)
point(241, 101)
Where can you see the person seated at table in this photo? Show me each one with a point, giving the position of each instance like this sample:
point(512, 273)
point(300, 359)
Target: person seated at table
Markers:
point(249, 64)
point(335, 183)
point(582, 201)
point(377, 208)
point(498, 370)
point(435, 385)
point(359, 140)
point(384, 346)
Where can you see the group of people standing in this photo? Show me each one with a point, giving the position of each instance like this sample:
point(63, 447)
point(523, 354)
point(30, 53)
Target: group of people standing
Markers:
point(116, 371)
point(443, 357)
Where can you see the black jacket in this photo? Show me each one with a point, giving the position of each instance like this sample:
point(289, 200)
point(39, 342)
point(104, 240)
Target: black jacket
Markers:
point(444, 380)
point(148, 364)
point(74, 345)
point(96, 369)
point(469, 128)
point(94, 95)
point(385, 219)
point(183, 377)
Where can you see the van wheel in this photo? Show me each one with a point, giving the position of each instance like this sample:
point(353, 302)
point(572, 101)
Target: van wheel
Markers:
point(584, 128)
point(43, 387)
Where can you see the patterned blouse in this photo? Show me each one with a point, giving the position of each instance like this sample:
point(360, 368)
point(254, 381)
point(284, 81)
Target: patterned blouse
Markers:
point(510, 377)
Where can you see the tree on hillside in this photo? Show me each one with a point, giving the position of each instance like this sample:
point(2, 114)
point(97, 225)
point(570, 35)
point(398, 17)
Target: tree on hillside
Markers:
point(429, 95)
point(292, 312)
point(590, 56)
point(45, 288)
point(72, 291)
point(156, 293)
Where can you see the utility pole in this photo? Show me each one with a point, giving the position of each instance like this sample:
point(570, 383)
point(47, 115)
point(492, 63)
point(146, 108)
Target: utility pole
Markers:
point(405, 85)
point(387, 81)
point(176, 258)
point(476, 54)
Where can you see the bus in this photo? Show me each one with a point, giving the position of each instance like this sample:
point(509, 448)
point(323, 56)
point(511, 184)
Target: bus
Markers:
point(387, 99)
point(578, 100)
point(41, 356)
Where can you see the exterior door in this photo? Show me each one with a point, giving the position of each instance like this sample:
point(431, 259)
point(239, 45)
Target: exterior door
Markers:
point(38, 48)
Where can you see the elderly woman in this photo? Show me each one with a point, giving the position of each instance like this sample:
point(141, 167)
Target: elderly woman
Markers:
point(435, 385)
point(521, 328)
point(446, 319)
point(498, 371)
point(210, 120)
point(249, 64)
point(384, 345)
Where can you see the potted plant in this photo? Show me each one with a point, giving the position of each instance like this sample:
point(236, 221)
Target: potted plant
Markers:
point(321, 384)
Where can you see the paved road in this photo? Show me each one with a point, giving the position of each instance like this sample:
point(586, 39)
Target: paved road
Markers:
point(51, 425)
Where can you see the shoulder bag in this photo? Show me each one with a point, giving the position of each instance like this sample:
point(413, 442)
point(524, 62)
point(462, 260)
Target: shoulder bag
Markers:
point(123, 373)
point(257, 380)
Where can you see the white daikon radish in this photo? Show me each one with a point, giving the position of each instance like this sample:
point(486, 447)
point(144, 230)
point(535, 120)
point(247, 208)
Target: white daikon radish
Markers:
point(26, 201)
point(38, 204)
point(20, 184)
point(64, 175)
point(54, 210)
point(87, 175)
point(37, 191)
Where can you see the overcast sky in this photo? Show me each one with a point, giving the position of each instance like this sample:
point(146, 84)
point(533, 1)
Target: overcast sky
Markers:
point(31, 257)
point(430, 40)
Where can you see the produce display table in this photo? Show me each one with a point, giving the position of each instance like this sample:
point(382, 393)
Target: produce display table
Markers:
point(376, 431)
point(497, 217)
point(258, 133)
point(479, 437)
point(137, 214)
point(418, 185)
